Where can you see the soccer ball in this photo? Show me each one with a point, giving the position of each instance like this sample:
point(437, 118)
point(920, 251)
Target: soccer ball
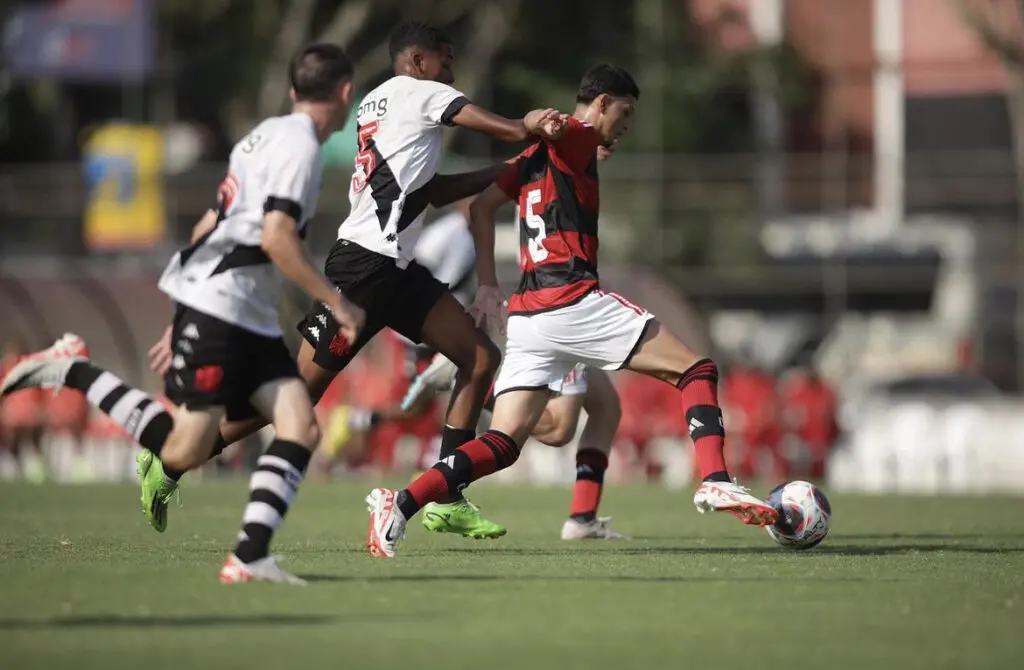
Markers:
point(805, 515)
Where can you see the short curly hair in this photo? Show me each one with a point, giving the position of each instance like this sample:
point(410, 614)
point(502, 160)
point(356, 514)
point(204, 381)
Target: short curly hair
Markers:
point(416, 34)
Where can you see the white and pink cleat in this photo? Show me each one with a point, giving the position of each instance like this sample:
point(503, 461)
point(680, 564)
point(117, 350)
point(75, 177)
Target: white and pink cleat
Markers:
point(735, 499)
point(47, 368)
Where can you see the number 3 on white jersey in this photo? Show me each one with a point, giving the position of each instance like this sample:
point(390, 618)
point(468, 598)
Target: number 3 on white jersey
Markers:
point(535, 228)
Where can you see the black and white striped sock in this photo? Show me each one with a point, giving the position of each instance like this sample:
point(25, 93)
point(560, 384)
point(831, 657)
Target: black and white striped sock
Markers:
point(271, 490)
point(143, 418)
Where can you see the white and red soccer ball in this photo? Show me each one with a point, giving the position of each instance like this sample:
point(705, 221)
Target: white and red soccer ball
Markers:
point(805, 515)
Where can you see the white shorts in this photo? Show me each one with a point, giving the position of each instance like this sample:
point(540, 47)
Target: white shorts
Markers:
point(602, 330)
point(574, 383)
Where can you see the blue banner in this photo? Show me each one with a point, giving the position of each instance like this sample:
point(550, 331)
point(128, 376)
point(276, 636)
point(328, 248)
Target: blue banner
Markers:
point(82, 40)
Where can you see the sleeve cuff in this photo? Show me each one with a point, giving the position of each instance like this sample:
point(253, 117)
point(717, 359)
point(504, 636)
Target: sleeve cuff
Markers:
point(284, 205)
point(452, 109)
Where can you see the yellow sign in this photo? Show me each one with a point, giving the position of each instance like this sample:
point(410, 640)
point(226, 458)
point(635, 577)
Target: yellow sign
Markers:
point(123, 165)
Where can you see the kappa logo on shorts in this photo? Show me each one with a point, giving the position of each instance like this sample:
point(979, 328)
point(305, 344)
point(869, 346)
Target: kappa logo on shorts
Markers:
point(208, 378)
point(339, 346)
point(322, 320)
point(314, 332)
point(191, 331)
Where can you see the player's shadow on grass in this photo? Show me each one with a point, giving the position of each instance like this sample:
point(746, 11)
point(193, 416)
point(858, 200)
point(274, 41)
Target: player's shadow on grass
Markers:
point(827, 548)
point(510, 577)
point(932, 536)
point(143, 621)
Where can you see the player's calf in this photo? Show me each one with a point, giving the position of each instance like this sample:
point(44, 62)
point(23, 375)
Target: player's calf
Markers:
point(515, 415)
point(604, 412)
point(660, 354)
point(451, 331)
point(279, 471)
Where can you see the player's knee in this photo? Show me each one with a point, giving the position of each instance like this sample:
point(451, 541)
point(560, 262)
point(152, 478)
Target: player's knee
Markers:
point(561, 435)
point(312, 436)
point(183, 453)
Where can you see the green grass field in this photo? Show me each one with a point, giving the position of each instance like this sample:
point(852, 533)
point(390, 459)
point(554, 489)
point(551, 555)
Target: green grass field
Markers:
point(901, 583)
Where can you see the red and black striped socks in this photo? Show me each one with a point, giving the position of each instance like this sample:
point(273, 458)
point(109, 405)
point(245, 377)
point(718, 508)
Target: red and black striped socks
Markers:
point(478, 458)
point(591, 465)
point(699, 389)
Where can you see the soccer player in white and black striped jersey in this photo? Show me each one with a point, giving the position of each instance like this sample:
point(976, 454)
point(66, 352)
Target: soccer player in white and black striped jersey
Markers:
point(401, 125)
point(228, 353)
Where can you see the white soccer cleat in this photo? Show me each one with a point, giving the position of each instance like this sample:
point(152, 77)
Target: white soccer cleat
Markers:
point(598, 529)
point(387, 524)
point(438, 377)
point(735, 499)
point(47, 368)
point(263, 570)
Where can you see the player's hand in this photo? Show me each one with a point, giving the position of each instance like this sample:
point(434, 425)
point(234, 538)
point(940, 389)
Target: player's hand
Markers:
point(161, 353)
point(489, 309)
point(552, 129)
point(350, 317)
point(546, 123)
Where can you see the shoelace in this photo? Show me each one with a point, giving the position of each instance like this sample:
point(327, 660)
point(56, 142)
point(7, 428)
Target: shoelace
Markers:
point(736, 483)
point(466, 502)
point(176, 494)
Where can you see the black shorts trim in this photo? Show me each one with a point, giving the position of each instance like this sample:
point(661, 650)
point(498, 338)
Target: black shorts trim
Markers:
point(545, 387)
point(636, 345)
point(453, 108)
point(283, 205)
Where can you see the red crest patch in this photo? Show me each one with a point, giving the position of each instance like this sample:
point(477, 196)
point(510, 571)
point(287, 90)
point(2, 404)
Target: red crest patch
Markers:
point(209, 377)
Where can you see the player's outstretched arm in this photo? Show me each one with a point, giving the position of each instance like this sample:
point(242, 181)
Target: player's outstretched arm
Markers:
point(544, 123)
point(282, 244)
point(448, 188)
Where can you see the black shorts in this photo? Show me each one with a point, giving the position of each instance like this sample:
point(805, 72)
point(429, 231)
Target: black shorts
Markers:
point(217, 364)
point(392, 297)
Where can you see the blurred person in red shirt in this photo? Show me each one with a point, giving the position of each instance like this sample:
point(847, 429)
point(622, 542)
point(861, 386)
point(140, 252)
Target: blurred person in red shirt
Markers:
point(22, 419)
point(755, 422)
point(810, 421)
point(649, 411)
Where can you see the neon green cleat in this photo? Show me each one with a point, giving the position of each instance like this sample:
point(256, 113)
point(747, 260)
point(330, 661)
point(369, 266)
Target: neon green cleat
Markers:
point(461, 518)
point(157, 489)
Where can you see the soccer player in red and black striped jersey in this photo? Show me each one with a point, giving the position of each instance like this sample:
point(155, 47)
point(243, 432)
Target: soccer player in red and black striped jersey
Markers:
point(560, 316)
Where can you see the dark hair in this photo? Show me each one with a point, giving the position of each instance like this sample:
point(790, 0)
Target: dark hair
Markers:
point(609, 80)
point(317, 71)
point(416, 34)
